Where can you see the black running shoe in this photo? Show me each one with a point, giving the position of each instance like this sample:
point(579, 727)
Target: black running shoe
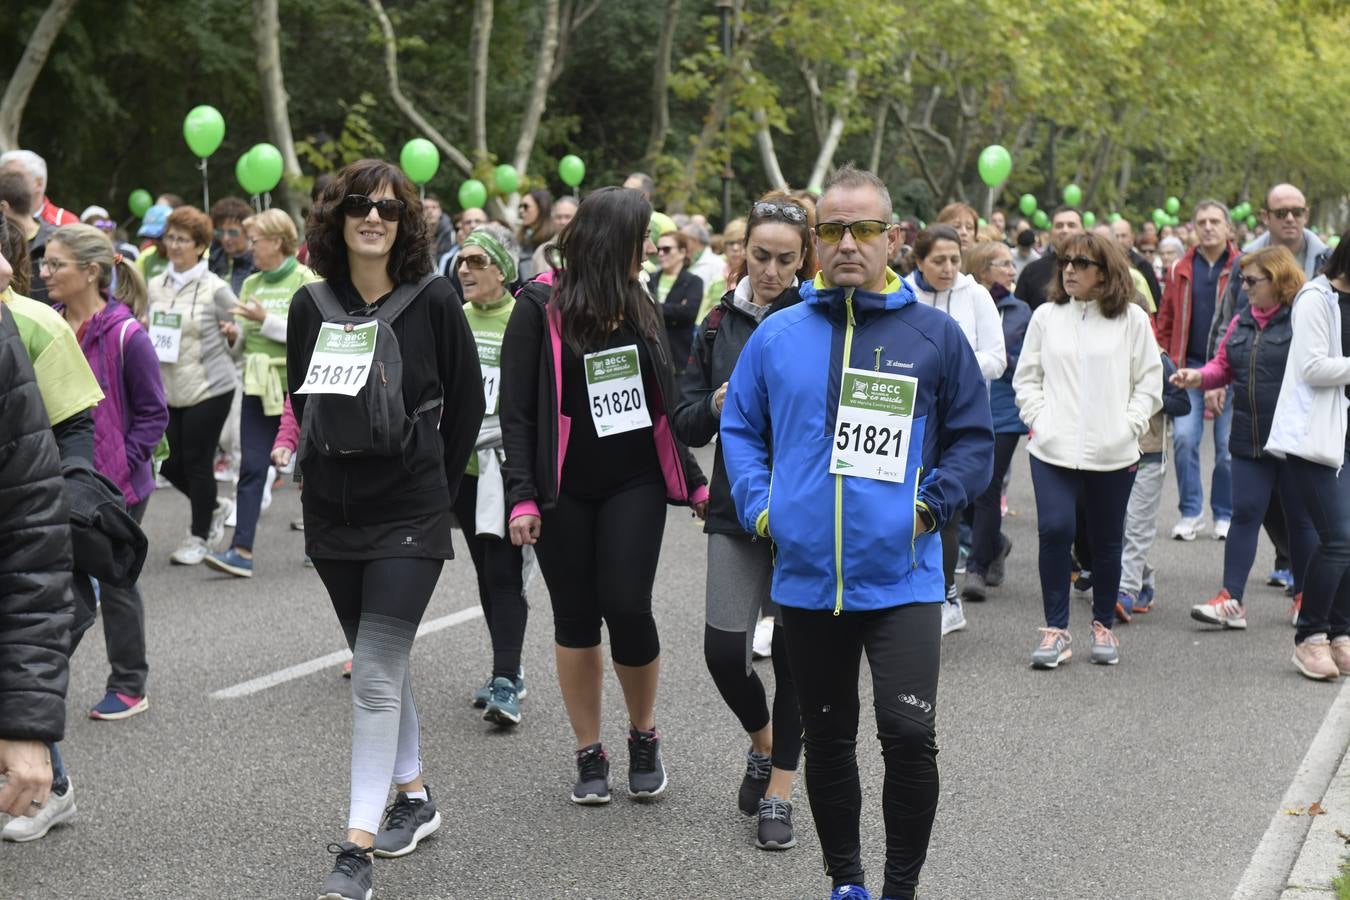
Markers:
point(592, 787)
point(406, 822)
point(755, 782)
point(352, 876)
point(997, 566)
point(775, 825)
point(646, 772)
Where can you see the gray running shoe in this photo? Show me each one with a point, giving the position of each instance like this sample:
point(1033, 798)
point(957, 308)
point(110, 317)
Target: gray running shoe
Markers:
point(484, 694)
point(994, 576)
point(758, 767)
point(352, 876)
point(592, 787)
point(646, 772)
point(1053, 649)
point(775, 825)
point(406, 822)
point(1105, 646)
point(974, 587)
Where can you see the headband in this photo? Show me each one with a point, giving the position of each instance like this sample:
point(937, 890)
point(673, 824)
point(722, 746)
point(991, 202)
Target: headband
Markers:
point(495, 251)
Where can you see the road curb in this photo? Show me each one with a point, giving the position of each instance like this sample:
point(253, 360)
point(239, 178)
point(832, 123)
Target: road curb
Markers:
point(1300, 854)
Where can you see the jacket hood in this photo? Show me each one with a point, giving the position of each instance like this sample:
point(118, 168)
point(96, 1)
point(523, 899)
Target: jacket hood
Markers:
point(1316, 247)
point(897, 295)
point(111, 316)
point(962, 283)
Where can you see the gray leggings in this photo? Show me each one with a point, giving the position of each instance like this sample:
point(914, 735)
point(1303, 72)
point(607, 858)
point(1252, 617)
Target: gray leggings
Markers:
point(379, 604)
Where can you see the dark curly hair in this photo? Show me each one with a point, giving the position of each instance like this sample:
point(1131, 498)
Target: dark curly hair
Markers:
point(409, 258)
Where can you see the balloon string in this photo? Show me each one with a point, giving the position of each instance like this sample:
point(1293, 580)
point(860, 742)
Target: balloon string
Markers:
point(267, 200)
point(206, 187)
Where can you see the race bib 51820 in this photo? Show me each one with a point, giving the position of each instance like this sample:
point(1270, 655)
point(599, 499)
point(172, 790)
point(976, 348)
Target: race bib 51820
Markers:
point(614, 382)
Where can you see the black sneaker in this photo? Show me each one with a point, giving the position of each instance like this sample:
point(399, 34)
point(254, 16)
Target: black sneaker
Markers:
point(646, 772)
point(755, 782)
point(592, 787)
point(352, 875)
point(775, 825)
point(994, 575)
point(406, 822)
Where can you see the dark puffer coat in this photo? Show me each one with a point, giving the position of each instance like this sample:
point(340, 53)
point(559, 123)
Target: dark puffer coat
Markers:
point(36, 604)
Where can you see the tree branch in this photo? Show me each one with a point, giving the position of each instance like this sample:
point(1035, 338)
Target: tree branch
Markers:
point(656, 140)
point(30, 65)
point(403, 103)
point(479, 43)
point(534, 109)
point(836, 130)
point(768, 156)
point(276, 105)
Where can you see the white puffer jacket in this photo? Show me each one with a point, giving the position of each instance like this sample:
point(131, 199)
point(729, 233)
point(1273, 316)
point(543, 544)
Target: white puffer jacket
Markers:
point(974, 310)
point(1310, 414)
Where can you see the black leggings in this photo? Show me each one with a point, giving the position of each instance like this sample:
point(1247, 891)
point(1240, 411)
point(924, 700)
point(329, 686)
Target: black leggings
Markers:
point(984, 541)
point(193, 433)
point(902, 645)
point(501, 589)
point(744, 694)
point(599, 558)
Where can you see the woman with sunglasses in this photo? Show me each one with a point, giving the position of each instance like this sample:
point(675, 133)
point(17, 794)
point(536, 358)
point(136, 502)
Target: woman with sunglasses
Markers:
point(679, 292)
point(1251, 357)
point(536, 228)
point(259, 333)
point(1088, 381)
point(378, 528)
point(191, 309)
point(591, 463)
point(779, 254)
point(937, 281)
point(1309, 431)
point(487, 267)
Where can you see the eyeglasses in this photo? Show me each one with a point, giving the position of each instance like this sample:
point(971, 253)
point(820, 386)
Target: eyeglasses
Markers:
point(175, 240)
point(358, 206)
point(863, 230)
point(104, 224)
point(1290, 212)
point(1078, 262)
point(228, 232)
point(1003, 264)
point(53, 265)
point(664, 249)
point(476, 262)
point(1251, 281)
point(790, 212)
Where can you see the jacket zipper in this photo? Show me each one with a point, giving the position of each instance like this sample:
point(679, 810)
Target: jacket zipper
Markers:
point(839, 479)
point(1251, 394)
point(913, 537)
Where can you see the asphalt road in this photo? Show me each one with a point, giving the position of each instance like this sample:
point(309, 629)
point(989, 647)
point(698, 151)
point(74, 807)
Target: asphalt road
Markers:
point(1152, 779)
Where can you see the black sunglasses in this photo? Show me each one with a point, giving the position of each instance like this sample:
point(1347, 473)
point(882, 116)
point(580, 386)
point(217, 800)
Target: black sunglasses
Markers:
point(358, 206)
point(474, 262)
point(1252, 281)
point(1078, 262)
point(1291, 212)
point(767, 209)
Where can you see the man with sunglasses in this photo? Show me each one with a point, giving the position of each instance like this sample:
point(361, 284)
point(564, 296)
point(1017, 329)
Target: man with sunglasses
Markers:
point(1190, 301)
point(865, 472)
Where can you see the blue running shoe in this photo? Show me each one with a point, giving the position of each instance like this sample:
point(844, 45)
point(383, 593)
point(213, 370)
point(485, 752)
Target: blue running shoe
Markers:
point(503, 706)
point(1280, 578)
point(1144, 602)
point(231, 563)
point(1124, 606)
point(850, 892)
point(484, 694)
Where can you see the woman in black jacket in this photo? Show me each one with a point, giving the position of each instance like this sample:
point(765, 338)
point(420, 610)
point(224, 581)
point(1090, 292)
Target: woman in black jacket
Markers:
point(779, 251)
point(378, 527)
point(591, 463)
point(680, 293)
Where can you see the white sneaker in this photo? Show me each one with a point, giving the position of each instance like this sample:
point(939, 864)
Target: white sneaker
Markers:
point(267, 488)
point(223, 516)
point(57, 809)
point(763, 643)
point(1188, 528)
point(1221, 529)
point(953, 616)
point(189, 553)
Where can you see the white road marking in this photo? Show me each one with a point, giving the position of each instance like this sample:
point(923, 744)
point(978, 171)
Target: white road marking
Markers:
point(309, 667)
point(1268, 871)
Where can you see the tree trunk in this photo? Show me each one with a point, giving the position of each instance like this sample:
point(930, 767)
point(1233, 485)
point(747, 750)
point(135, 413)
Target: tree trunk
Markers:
point(1123, 182)
point(30, 66)
point(836, 130)
point(272, 86)
point(404, 105)
point(480, 40)
point(883, 113)
point(656, 141)
point(534, 109)
point(768, 156)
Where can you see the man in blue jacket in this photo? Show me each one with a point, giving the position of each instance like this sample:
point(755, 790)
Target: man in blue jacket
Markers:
point(855, 424)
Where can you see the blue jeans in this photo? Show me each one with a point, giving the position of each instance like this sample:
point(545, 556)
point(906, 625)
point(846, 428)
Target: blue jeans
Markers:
point(1188, 432)
point(1256, 481)
point(1325, 497)
point(257, 434)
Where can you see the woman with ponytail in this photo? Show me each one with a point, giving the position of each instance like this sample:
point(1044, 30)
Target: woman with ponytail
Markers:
point(101, 296)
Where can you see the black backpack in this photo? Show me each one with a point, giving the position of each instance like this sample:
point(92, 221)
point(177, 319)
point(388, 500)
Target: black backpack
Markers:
point(375, 422)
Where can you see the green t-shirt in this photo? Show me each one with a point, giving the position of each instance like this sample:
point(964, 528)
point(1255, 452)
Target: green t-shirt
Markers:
point(488, 327)
point(663, 287)
point(64, 378)
point(151, 263)
point(274, 291)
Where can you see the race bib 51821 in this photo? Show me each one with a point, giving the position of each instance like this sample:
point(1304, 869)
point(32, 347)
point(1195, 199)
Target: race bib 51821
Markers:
point(872, 428)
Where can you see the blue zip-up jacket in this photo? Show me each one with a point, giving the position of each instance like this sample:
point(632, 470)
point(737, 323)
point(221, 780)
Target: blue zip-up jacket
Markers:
point(1016, 315)
point(847, 543)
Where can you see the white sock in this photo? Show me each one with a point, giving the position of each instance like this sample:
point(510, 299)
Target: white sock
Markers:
point(417, 795)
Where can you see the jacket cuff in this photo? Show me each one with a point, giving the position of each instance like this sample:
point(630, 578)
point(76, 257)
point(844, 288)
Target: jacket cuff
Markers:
point(700, 495)
point(921, 507)
point(524, 508)
point(762, 524)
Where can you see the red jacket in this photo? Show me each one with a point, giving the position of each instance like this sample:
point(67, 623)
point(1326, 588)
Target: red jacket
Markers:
point(1173, 324)
point(54, 215)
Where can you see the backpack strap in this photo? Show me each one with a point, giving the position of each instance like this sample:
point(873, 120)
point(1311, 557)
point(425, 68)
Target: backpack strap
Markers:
point(122, 338)
point(403, 297)
point(326, 300)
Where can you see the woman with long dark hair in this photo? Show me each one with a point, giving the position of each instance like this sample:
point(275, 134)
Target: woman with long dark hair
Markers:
point(377, 522)
point(536, 228)
point(591, 462)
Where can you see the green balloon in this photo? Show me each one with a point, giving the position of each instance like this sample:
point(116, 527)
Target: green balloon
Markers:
point(571, 170)
point(419, 160)
point(472, 193)
point(204, 129)
point(1251, 221)
point(1114, 218)
point(242, 173)
point(1040, 219)
point(1027, 204)
point(1073, 195)
point(505, 179)
point(1174, 221)
point(1089, 219)
point(981, 222)
point(1173, 206)
point(265, 165)
point(1159, 217)
point(1244, 209)
point(139, 202)
point(995, 164)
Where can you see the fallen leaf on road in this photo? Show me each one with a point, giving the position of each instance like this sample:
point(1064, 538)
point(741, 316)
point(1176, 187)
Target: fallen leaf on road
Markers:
point(1317, 809)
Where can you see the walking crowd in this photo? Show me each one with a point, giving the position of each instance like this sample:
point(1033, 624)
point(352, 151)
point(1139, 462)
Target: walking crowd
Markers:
point(865, 380)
